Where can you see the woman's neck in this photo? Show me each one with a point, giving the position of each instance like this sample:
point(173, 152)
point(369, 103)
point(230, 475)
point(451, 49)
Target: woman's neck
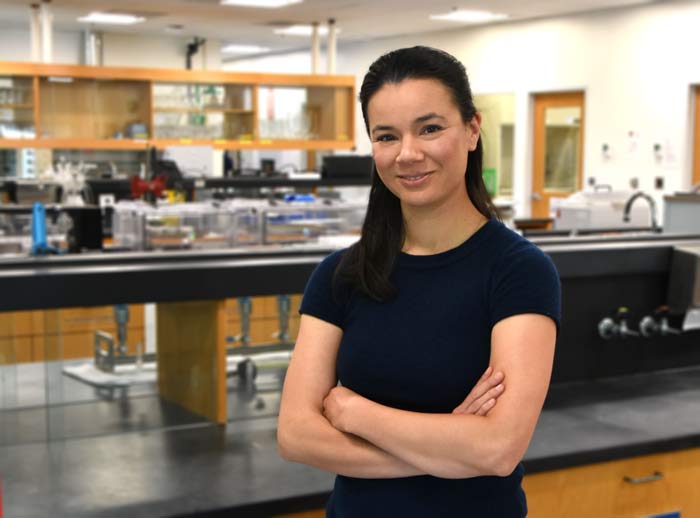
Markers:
point(431, 230)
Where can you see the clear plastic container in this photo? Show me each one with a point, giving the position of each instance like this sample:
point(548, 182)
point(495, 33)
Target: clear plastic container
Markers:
point(140, 226)
point(302, 222)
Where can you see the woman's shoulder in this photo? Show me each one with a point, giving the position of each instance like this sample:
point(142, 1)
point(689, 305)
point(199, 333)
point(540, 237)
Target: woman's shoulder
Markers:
point(507, 240)
point(332, 260)
point(326, 269)
point(510, 246)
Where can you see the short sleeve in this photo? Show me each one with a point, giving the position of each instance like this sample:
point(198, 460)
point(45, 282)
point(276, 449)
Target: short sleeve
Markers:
point(525, 281)
point(319, 298)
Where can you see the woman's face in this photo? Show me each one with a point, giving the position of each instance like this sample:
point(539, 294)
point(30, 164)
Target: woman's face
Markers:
point(419, 141)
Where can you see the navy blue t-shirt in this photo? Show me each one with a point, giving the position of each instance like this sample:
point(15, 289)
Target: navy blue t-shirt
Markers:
point(425, 349)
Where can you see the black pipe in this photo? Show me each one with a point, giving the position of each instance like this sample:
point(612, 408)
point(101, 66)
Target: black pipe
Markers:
point(192, 49)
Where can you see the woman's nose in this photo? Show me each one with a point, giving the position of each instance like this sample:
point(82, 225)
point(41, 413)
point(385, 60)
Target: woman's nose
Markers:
point(410, 151)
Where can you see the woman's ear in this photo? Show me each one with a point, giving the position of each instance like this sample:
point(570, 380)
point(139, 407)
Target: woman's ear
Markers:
point(474, 130)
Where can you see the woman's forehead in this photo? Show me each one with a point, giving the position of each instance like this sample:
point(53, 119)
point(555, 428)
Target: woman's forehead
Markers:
point(411, 98)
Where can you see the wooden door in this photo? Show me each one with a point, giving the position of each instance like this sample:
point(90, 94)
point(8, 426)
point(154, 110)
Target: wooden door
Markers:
point(696, 136)
point(558, 148)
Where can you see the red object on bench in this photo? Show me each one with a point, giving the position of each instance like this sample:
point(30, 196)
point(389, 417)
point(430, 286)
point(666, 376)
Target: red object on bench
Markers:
point(140, 187)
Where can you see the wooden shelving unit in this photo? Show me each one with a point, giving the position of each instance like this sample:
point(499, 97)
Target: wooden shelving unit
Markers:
point(16, 106)
point(120, 108)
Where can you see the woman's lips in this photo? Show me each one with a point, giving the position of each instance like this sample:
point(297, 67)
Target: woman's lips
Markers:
point(413, 179)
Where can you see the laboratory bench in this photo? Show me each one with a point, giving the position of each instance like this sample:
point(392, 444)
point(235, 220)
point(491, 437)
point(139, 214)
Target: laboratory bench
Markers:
point(154, 452)
point(234, 470)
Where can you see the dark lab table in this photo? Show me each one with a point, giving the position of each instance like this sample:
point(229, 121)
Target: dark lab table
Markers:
point(235, 471)
point(208, 470)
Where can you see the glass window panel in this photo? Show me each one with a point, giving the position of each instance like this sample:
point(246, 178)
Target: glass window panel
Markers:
point(16, 108)
point(203, 111)
point(305, 113)
point(282, 113)
point(497, 129)
point(563, 127)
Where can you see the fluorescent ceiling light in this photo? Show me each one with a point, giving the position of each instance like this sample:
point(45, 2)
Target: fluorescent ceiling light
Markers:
point(111, 18)
point(263, 4)
point(468, 16)
point(303, 30)
point(243, 49)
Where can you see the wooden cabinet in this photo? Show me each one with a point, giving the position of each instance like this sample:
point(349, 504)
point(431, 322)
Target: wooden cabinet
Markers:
point(630, 488)
point(81, 107)
point(62, 334)
point(41, 335)
point(320, 513)
point(90, 109)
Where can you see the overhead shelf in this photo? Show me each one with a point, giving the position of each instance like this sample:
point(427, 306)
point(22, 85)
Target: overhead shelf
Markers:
point(83, 107)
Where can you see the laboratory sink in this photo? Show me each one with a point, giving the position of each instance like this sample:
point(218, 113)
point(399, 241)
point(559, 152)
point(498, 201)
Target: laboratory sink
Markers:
point(605, 236)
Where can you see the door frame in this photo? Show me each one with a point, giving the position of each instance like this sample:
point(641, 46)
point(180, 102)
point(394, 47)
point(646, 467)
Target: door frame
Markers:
point(542, 101)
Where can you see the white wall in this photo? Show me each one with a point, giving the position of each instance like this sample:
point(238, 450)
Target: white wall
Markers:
point(15, 45)
point(292, 63)
point(119, 49)
point(635, 65)
point(135, 50)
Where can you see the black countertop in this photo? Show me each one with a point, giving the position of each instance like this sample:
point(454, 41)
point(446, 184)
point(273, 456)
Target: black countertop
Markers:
point(212, 471)
point(101, 279)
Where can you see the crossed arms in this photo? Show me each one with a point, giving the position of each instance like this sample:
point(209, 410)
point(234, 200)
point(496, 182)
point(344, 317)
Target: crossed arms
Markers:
point(337, 430)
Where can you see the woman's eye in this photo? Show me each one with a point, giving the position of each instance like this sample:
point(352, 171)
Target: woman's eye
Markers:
point(432, 128)
point(384, 138)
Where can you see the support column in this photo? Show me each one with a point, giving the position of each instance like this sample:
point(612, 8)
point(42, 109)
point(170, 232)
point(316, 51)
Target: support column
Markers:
point(35, 32)
point(315, 48)
point(332, 46)
point(46, 32)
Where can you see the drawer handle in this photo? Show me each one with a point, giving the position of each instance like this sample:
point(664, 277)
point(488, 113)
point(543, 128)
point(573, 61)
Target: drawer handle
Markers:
point(657, 475)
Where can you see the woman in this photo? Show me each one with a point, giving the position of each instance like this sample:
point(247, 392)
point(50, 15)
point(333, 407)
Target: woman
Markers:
point(436, 292)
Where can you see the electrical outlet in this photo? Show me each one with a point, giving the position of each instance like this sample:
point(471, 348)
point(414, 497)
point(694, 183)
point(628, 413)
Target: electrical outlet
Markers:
point(659, 183)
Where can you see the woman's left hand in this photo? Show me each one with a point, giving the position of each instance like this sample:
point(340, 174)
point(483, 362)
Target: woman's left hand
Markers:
point(338, 407)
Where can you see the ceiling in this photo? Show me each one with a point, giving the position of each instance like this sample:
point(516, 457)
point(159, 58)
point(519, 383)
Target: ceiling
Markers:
point(357, 19)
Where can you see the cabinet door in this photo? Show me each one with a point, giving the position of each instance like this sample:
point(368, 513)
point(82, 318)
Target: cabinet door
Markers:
point(64, 334)
point(15, 339)
point(631, 488)
point(75, 108)
point(16, 107)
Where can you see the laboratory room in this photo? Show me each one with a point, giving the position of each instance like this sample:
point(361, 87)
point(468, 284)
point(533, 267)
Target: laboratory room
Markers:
point(189, 190)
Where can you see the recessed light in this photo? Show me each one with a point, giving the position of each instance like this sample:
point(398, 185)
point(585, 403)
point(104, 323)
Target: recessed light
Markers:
point(468, 16)
point(111, 18)
point(243, 49)
point(303, 30)
point(263, 4)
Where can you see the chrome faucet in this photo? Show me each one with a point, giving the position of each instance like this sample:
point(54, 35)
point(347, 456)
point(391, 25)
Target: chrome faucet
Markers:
point(652, 209)
point(616, 327)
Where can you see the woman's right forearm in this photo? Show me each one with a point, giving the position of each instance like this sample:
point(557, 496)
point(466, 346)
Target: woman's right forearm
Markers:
point(312, 440)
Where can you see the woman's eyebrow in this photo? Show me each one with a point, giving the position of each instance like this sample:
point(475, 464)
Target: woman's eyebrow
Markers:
point(427, 117)
point(418, 120)
point(381, 127)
